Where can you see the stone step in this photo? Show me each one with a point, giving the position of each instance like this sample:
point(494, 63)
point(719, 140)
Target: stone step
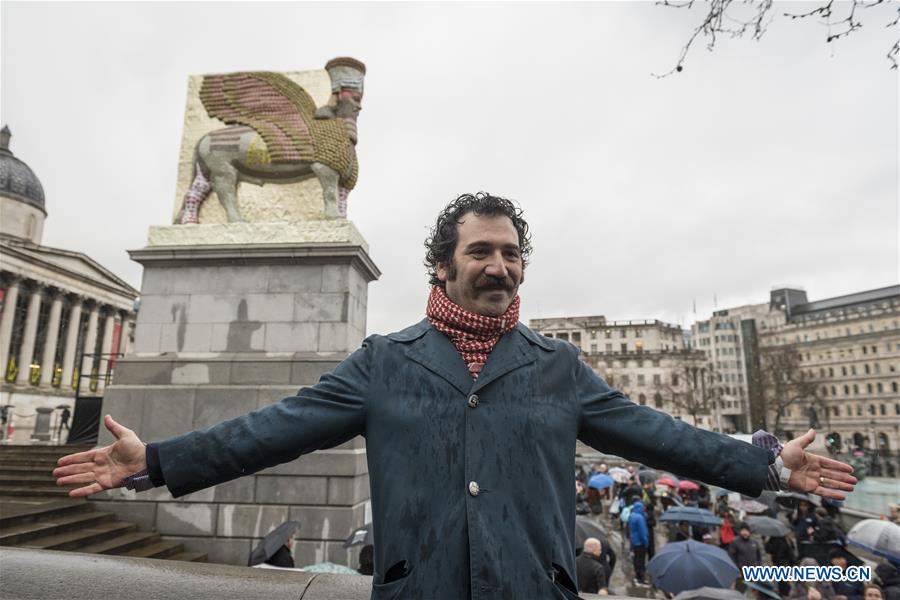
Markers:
point(12, 469)
point(18, 490)
point(160, 549)
point(42, 450)
point(189, 556)
point(23, 532)
point(48, 463)
point(29, 478)
point(74, 540)
point(18, 511)
point(121, 543)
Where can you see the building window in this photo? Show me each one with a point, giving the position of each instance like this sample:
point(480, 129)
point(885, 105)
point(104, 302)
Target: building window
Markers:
point(883, 409)
point(846, 390)
point(859, 410)
point(623, 333)
point(657, 379)
point(593, 348)
point(894, 386)
point(563, 336)
point(880, 387)
point(626, 380)
point(624, 348)
point(609, 347)
point(853, 369)
point(576, 337)
point(657, 400)
point(843, 370)
point(607, 334)
point(642, 399)
point(869, 388)
point(641, 379)
point(855, 389)
point(871, 409)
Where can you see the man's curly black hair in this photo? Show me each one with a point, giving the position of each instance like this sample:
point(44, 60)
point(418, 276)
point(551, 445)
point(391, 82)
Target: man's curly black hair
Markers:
point(441, 244)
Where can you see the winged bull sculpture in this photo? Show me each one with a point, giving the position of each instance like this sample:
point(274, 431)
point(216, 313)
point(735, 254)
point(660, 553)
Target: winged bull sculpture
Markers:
point(276, 134)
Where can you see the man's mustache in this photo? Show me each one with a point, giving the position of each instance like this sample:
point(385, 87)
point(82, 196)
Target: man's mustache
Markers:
point(486, 282)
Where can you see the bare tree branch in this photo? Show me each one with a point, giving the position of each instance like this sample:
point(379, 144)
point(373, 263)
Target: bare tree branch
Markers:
point(717, 21)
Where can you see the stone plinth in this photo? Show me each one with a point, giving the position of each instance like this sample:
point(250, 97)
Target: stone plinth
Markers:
point(223, 329)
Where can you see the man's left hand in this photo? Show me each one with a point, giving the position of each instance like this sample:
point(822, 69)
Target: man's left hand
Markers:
point(813, 473)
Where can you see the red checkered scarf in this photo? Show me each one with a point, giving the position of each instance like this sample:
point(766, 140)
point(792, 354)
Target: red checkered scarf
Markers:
point(473, 335)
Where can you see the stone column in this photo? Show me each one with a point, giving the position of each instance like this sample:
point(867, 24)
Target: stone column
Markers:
point(48, 360)
point(90, 340)
point(105, 349)
point(26, 352)
point(72, 340)
point(9, 317)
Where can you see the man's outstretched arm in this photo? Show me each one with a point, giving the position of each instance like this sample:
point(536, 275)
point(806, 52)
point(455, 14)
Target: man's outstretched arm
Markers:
point(103, 468)
point(613, 424)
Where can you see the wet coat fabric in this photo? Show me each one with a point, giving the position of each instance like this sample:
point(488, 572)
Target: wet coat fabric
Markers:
point(471, 480)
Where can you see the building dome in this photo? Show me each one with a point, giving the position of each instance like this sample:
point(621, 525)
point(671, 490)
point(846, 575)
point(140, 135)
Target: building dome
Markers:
point(17, 180)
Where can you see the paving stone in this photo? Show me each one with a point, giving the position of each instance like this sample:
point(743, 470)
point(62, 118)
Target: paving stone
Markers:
point(295, 278)
point(326, 463)
point(142, 514)
point(185, 337)
point(348, 491)
point(317, 307)
point(240, 520)
point(327, 522)
point(213, 405)
point(336, 278)
point(167, 411)
point(186, 518)
point(261, 372)
point(333, 338)
point(272, 489)
point(126, 405)
point(147, 336)
point(291, 337)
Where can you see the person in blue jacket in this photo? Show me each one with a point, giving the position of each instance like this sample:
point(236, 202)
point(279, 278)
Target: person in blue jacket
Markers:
point(454, 410)
point(640, 539)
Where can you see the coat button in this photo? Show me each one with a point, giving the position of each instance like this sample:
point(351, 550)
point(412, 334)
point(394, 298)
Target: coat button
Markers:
point(473, 401)
point(473, 488)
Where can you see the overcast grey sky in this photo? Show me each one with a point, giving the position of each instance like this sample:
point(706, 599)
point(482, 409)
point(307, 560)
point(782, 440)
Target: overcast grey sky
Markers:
point(763, 163)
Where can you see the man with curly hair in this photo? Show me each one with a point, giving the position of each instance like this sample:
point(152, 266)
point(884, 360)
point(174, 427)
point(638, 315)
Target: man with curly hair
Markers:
point(470, 420)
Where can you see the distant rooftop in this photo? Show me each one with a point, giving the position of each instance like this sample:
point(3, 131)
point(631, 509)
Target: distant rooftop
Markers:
point(892, 291)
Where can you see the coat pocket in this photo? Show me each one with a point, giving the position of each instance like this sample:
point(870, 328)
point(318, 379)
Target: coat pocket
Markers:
point(562, 581)
point(395, 580)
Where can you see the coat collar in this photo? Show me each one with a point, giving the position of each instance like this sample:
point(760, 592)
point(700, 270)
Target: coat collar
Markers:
point(434, 350)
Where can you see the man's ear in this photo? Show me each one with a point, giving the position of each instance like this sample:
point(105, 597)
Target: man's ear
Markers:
point(441, 272)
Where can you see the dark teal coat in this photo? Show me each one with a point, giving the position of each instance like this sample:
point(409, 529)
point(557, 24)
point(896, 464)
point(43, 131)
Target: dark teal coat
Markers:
point(432, 433)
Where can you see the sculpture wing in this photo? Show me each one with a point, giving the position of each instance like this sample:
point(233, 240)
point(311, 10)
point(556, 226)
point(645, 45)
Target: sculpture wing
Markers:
point(276, 107)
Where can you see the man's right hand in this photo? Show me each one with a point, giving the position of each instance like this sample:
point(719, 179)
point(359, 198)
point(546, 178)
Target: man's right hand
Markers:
point(103, 468)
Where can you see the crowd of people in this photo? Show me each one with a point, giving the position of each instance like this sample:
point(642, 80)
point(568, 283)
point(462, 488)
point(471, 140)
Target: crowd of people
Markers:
point(814, 536)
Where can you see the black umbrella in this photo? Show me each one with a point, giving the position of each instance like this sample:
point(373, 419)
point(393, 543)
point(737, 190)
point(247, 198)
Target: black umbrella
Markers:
point(272, 542)
point(586, 528)
point(363, 536)
point(767, 526)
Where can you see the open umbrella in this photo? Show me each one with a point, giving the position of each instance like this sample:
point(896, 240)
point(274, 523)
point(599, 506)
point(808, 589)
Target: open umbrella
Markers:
point(690, 565)
point(600, 481)
point(881, 538)
point(647, 475)
point(750, 506)
point(669, 481)
point(586, 528)
point(691, 514)
point(363, 536)
point(687, 485)
point(767, 526)
point(270, 544)
point(765, 587)
point(710, 593)
point(791, 499)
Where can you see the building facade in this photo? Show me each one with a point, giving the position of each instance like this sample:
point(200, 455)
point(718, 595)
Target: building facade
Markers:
point(848, 350)
point(62, 315)
point(646, 359)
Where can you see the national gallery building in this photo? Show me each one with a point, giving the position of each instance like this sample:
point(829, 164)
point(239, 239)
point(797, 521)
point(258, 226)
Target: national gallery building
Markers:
point(63, 317)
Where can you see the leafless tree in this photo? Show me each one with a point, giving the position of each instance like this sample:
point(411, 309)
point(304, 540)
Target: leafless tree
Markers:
point(727, 18)
point(690, 390)
point(786, 383)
